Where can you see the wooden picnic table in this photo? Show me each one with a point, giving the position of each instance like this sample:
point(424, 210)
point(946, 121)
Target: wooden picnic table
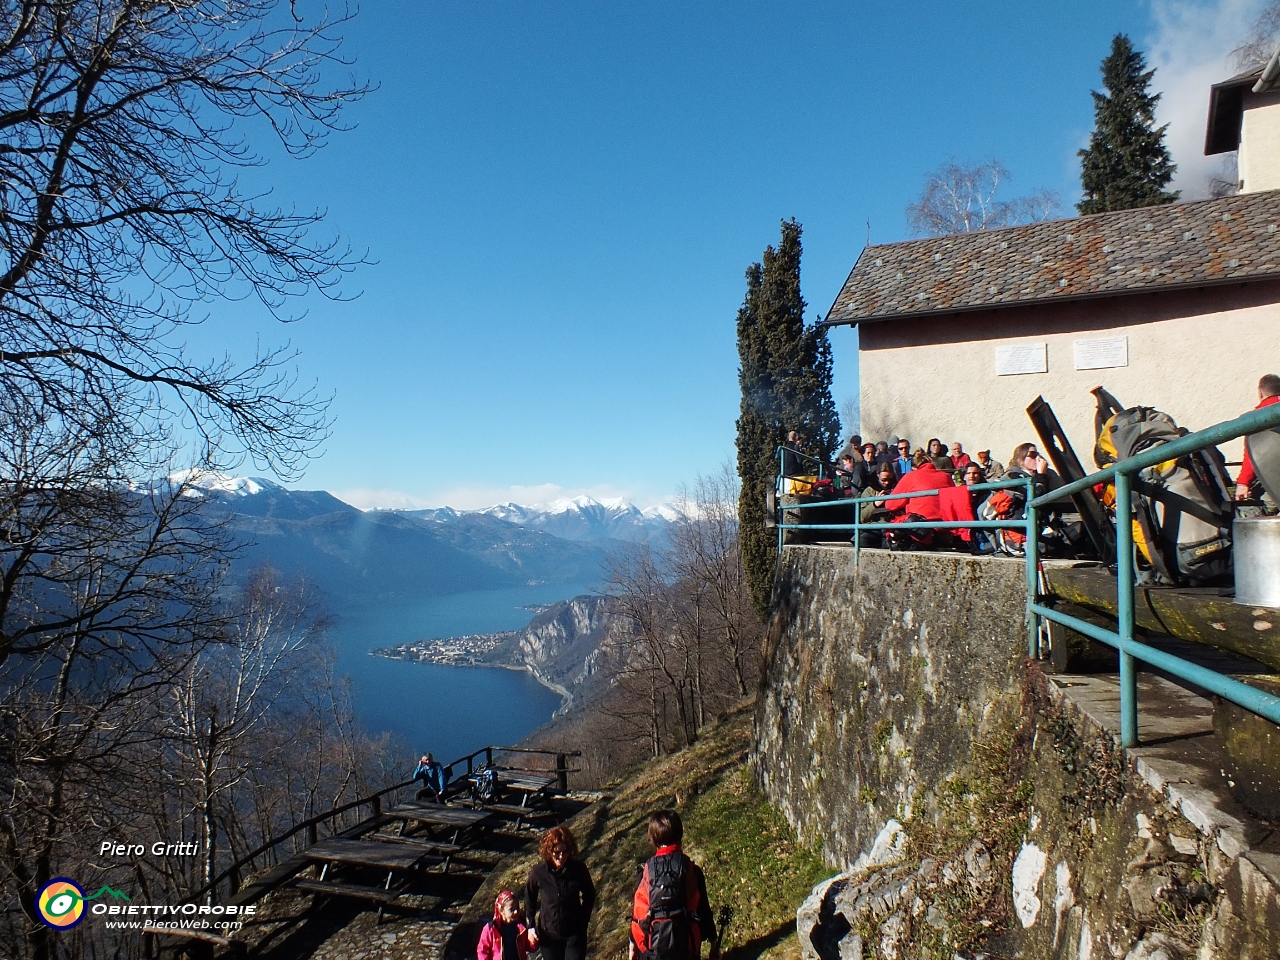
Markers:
point(365, 853)
point(391, 857)
point(440, 819)
point(532, 788)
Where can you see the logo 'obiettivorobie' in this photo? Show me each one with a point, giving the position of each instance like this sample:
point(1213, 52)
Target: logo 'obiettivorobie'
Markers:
point(60, 902)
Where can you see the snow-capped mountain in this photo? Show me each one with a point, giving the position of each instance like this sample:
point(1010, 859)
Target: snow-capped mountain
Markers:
point(359, 555)
point(221, 483)
point(579, 518)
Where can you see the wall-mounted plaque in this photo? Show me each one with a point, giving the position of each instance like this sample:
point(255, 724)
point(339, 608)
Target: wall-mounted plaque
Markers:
point(1016, 358)
point(1103, 353)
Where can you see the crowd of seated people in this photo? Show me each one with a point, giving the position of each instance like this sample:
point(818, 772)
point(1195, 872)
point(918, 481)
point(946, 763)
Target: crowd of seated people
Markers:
point(942, 475)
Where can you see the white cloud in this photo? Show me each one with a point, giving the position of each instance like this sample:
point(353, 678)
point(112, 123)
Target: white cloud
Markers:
point(478, 497)
point(1190, 48)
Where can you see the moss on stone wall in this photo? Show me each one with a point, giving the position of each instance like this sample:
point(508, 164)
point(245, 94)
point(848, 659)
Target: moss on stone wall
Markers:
point(881, 677)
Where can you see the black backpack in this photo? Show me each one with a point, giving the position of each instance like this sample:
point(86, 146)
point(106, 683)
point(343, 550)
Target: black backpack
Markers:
point(668, 928)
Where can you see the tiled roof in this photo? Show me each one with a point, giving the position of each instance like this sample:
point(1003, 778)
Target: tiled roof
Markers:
point(1229, 240)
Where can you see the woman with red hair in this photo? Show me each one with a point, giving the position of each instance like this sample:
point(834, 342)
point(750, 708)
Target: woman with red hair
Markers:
point(558, 898)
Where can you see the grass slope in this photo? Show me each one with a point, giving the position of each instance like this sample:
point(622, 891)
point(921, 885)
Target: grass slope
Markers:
point(751, 857)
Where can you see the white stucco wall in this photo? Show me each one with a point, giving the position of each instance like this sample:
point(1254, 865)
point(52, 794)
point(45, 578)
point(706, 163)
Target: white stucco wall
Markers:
point(1259, 157)
point(1197, 357)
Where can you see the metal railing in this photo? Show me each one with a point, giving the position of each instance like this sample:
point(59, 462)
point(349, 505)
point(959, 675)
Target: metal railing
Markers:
point(1250, 698)
point(859, 525)
point(1130, 650)
point(784, 451)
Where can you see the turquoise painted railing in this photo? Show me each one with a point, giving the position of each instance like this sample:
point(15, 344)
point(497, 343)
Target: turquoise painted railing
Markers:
point(1251, 698)
point(858, 525)
point(820, 465)
point(1122, 639)
point(1027, 525)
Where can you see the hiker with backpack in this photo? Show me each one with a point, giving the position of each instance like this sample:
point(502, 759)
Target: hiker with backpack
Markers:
point(1011, 503)
point(670, 914)
point(558, 898)
point(504, 937)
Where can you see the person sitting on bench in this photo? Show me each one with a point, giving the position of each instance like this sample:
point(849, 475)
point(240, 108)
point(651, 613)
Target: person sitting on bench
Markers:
point(432, 775)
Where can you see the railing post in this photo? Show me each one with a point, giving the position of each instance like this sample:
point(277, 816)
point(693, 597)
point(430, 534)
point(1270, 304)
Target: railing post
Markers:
point(857, 531)
point(1124, 610)
point(488, 756)
point(1032, 550)
point(313, 835)
point(562, 773)
point(377, 806)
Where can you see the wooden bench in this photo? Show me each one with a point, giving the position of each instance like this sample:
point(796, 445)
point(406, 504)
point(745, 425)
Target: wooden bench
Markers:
point(283, 872)
point(519, 814)
point(350, 890)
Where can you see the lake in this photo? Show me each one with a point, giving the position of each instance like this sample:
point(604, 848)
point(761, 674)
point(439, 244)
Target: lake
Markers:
point(450, 711)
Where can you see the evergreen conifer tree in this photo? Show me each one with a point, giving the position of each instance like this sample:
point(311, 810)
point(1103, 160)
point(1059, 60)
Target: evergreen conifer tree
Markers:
point(1127, 164)
point(785, 376)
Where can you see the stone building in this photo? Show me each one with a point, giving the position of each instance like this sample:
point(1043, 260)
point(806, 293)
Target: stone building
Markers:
point(1175, 307)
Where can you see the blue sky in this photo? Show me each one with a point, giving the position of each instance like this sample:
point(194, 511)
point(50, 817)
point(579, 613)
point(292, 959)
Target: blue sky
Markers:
point(561, 200)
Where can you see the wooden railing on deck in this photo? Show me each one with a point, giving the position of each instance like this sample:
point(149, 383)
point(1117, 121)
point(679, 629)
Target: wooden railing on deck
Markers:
point(374, 801)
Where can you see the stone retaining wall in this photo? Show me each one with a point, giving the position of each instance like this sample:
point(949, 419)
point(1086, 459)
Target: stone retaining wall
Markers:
point(971, 805)
point(877, 681)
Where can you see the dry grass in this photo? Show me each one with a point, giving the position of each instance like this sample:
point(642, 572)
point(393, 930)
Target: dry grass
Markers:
point(752, 860)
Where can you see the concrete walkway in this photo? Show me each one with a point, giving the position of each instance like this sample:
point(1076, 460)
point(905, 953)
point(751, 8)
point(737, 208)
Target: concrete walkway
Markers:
point(1180, 760)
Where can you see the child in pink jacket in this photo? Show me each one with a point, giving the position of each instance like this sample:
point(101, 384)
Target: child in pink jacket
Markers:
point(504, 937)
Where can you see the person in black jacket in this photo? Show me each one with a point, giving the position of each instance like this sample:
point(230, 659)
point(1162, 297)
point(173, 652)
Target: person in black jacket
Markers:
point(558, 898)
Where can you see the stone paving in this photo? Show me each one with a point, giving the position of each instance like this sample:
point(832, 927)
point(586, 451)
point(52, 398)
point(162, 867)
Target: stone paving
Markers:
point(396, 938)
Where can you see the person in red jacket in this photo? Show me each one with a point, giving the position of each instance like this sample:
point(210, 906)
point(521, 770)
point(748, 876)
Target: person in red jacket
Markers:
point(1268, 393)
point(931, 475)
point(670, 871)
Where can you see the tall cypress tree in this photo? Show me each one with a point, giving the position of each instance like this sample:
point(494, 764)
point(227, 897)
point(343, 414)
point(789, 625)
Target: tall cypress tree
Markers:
point(1127, 164)
point(785, 376)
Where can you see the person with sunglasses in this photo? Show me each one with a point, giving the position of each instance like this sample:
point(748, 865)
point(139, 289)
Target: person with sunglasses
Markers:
point(902, 465)
point(558, 898)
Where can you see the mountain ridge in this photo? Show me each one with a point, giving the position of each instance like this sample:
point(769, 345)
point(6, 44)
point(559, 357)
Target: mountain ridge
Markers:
point(356, 555)
point(578, 518)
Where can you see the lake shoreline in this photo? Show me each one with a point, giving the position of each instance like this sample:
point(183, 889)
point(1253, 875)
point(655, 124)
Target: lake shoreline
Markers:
point(448, 712)
point(441, 660)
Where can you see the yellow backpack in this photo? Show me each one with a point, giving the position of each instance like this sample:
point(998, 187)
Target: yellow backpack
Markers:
point(1181, 509)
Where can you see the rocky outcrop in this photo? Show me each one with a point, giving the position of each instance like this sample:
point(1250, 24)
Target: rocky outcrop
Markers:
point(562, 645)
point(1089, 875)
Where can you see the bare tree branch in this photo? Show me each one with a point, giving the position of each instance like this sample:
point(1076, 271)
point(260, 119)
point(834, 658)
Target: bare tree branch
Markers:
point(961, 199)
point(119, 122)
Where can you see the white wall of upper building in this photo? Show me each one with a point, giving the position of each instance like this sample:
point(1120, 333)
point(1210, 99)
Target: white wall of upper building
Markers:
point(1259, 157)
point(923, 378)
